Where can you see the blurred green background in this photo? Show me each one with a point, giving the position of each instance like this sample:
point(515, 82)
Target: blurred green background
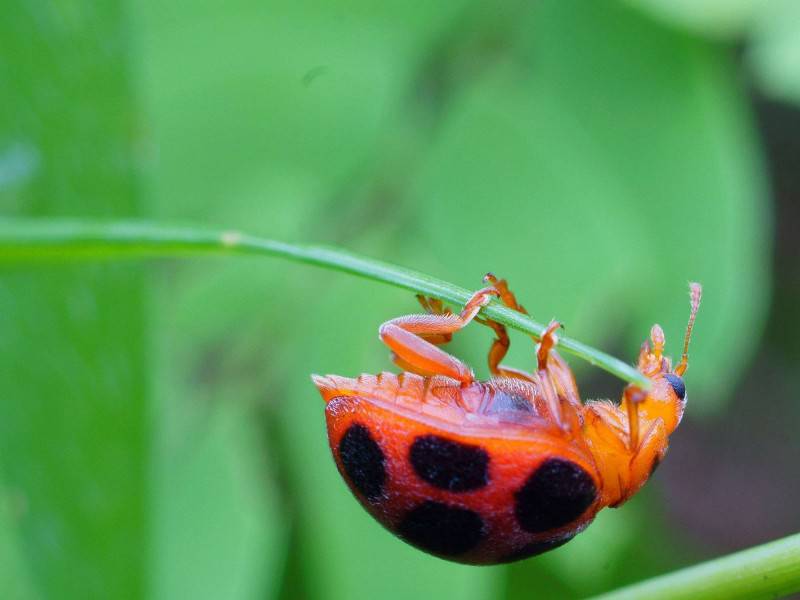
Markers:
point(159, 434)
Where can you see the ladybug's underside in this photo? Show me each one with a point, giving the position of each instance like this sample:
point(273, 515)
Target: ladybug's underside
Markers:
point(501, 407)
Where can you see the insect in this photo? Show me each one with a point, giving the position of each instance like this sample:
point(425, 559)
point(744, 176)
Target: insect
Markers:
point(485, 472)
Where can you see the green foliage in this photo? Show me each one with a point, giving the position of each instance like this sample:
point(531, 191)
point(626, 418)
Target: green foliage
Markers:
point(75, 422)
point(159, 434)
point(774, 54)
point(715, 18)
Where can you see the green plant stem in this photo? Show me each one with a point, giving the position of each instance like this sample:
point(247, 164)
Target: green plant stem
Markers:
point(771, 570)
point(64, 239)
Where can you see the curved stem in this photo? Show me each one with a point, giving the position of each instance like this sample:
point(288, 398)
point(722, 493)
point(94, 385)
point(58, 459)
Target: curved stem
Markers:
point(771, 570)
point(60, 239)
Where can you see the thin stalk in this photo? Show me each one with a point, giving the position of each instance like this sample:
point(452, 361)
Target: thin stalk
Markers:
point(771, 570)
point(65, 239)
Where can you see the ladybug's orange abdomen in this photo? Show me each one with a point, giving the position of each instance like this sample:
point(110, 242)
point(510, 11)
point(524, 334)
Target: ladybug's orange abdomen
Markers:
point(477, 485)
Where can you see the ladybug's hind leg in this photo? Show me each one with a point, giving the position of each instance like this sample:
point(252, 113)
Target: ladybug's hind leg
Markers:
point(549, 363)
point(434, 306)
point(412, 338)
point(498, 351)
point(502, 342)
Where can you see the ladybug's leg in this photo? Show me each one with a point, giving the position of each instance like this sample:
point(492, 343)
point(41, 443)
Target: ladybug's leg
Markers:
point(558, 384)
point(434, 306)
point(498, 350)
point(650, 452)
point(652, 449)
point(550, 363)
point(560, 373)
point(546, 344)
point(651, 355)
point(564, 379)
point(412, 338)
point(507, 297)
point(502, 342)
point(631, 398)
point(543, 357)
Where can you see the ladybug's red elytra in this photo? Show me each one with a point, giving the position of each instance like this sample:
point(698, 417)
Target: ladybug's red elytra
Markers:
point(485, 472)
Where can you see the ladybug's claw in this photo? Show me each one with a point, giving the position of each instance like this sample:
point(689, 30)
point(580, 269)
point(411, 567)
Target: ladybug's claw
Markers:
point(632, 397)
point(549, 340)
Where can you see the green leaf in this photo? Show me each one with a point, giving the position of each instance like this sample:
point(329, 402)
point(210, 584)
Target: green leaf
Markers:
point(280, 100)
point(721, 19)
point(218, 520)
point(774, 50)
point(74, 424)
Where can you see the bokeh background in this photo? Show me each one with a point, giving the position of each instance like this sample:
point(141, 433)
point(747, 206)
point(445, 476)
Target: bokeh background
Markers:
point(159, 433)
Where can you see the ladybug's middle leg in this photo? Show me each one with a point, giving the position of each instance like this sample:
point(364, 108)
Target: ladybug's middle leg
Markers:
point(412, 339)
point(501, 343)
point(498, 351)
point(549, 361)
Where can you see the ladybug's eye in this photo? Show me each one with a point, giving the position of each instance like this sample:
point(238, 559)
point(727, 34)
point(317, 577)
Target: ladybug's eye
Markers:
point(677, 385)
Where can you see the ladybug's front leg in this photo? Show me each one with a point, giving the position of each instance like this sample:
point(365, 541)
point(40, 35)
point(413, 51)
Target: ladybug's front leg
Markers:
point(412, 338)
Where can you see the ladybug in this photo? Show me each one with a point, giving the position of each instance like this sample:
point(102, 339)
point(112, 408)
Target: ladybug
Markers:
point(487, 472)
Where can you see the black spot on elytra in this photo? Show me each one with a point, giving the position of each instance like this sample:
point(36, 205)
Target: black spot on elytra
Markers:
point(363, 461)
point(556, 494)
point(441, 529)
point(449, 465)
point(677, 385)
point(535, 549)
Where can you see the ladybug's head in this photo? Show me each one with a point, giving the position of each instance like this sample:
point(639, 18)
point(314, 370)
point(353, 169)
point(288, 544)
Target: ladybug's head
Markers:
point(667, 397)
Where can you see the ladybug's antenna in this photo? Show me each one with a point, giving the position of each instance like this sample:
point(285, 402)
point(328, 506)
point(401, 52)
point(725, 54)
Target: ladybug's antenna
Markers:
point(695, 293)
